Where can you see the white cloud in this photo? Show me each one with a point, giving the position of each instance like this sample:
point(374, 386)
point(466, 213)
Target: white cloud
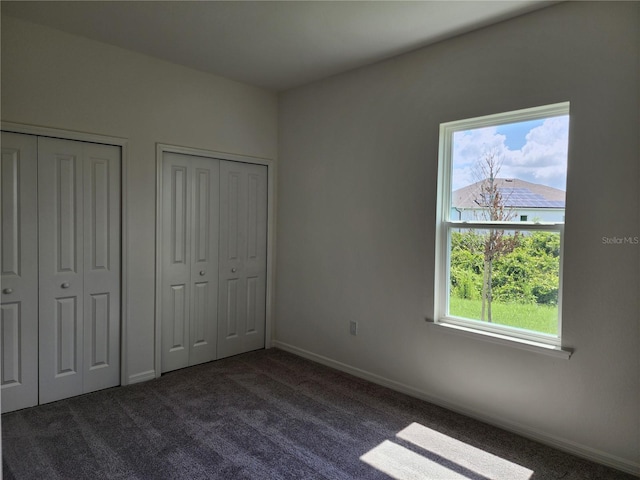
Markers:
point(542, 159)
point(469, 147)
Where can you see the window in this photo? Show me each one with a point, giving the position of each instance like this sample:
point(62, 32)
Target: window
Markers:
point(497, 273)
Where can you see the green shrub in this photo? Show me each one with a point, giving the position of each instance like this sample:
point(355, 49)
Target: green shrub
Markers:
point(526, 275)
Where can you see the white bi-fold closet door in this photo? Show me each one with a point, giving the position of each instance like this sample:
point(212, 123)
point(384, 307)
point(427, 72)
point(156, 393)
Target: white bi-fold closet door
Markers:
point(213, 259)
point(60, 269)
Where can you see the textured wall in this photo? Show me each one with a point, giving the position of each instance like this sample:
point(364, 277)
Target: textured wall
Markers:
point(357, 193)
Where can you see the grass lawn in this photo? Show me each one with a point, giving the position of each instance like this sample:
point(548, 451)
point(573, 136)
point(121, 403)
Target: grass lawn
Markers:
point(539, 318)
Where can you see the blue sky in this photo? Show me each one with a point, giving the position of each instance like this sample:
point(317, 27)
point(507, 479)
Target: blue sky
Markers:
point(535, 151)
point(516, 133)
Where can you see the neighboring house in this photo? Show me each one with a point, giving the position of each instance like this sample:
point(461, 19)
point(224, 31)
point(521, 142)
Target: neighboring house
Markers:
point(528, 202)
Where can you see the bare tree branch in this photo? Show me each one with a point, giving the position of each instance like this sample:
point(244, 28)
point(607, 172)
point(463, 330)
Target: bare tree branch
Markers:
point(493, 208)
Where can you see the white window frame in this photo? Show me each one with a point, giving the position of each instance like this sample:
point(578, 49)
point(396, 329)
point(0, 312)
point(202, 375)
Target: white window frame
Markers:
point(445, 225)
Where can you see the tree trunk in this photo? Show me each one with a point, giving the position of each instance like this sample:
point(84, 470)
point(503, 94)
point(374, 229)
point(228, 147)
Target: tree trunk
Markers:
point(485, 292)
point(489, 290)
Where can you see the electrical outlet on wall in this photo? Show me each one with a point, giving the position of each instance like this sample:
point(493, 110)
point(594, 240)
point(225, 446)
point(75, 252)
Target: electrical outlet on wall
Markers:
point(353, 327)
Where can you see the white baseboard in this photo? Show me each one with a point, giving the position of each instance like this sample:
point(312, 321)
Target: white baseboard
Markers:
point(563, 444)
point(142, 377)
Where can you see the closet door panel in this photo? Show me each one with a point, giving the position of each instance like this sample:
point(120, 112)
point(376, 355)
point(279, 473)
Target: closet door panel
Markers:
point(189, 260)
point(204, 259)
point(176, 261)
point(19, 266)
point(61, 268)
point(232, 240)
point(256, 257)
point(101, 240)
point(243, 221)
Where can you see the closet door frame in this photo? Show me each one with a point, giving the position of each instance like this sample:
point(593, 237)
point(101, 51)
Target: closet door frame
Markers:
point(161, 149)
point(124, 235)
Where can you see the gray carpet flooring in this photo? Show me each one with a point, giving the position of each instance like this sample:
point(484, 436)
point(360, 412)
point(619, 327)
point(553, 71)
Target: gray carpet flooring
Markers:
point(268, 415)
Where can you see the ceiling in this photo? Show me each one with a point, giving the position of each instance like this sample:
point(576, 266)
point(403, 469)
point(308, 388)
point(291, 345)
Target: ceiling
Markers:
point(272, 44)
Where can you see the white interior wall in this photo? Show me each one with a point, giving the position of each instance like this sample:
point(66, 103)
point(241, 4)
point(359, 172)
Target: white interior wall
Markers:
point(357, 202)
point(62, 81)
point(357, 192)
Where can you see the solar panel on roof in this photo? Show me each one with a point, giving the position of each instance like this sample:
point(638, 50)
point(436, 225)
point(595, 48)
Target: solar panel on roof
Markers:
point(523, 197)
point(514, 197)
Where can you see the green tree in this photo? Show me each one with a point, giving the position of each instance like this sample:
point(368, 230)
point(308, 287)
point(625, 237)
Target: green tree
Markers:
point(466, 265)
point(526, 274)
point(544, 251)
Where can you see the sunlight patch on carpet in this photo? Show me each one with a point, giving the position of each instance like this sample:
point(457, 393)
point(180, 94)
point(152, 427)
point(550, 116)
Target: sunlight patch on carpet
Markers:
point(440, 456)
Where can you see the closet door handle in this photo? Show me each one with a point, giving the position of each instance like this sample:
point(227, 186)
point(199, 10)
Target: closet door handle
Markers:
point(202, 272)
point(7, 291)
point(65, 285)
point(234, 270)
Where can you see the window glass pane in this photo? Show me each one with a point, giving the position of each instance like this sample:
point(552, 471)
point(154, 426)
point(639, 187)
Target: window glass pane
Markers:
point(505, 277)
point(504, 172)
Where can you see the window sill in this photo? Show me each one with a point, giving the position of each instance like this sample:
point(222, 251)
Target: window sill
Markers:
point(496, 338)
